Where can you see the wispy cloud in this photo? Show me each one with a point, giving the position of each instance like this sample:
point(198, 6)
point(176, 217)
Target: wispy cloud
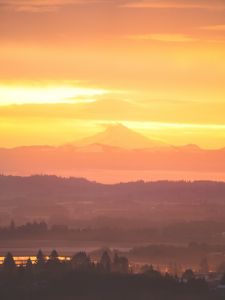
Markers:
point(52, 5)
point(181, 4)
point(41, 5)
point(220, 27)
point(174, 38)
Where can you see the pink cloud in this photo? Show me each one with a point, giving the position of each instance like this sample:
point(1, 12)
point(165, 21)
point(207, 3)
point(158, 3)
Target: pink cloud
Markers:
point(41, 5)
point(181, 4)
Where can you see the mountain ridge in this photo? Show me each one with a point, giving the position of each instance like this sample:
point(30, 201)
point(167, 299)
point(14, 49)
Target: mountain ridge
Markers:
point(120, 136)
point(114, 138)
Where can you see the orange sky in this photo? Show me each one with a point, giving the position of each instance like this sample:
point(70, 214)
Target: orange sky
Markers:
point(70, 67)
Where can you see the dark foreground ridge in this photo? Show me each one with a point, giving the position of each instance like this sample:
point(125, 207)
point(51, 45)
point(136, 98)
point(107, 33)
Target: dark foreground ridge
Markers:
point(82, 279)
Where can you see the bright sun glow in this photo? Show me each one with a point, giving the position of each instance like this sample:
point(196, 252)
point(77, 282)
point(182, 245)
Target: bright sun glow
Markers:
point(47, 95)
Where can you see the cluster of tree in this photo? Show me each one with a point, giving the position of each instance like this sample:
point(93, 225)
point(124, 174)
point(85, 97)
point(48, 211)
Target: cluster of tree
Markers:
point(191, 254)
point(30, 228)
point(195, 231)
point(188, 231)
point(36, 230)
point(50, 279)
point(79, 262)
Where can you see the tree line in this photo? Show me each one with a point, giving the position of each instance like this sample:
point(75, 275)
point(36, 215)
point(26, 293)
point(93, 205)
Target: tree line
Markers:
point(50, 278)
point(79, 262)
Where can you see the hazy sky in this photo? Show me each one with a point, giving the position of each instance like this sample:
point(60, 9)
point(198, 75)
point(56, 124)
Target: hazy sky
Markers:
point(68, 68)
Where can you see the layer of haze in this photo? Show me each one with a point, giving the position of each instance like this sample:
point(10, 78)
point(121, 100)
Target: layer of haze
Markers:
point(69, 68)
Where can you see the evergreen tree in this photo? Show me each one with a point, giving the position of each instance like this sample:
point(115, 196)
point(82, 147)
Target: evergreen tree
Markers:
point(81, 262)
point(53, 262)
point(9, 264)
point(54, 256)
point(40, 258)
point(40, 261)
point(120, 264)
point(105, 262)
point(188, 275)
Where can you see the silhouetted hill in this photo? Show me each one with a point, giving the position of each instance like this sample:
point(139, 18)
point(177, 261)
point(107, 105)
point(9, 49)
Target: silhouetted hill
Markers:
point(163, 190)
point(63, 200)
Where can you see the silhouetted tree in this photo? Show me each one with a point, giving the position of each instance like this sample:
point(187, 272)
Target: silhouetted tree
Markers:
point(54, 256)
point(151, 272)
point(115, 262)
point(40, 261)
point(188, 275)
point(53, 262)
point(58, 282)
point(9, 264)
point(81, 261)
point(120, 264)
point(40, 258)
point(105, 262)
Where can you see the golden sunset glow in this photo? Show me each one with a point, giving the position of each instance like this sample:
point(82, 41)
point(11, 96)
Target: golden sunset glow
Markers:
point(112, 149)
point(69, 68)
point(47, 94)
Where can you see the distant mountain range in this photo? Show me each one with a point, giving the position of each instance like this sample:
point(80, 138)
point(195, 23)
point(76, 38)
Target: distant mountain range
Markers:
point(117, 154)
